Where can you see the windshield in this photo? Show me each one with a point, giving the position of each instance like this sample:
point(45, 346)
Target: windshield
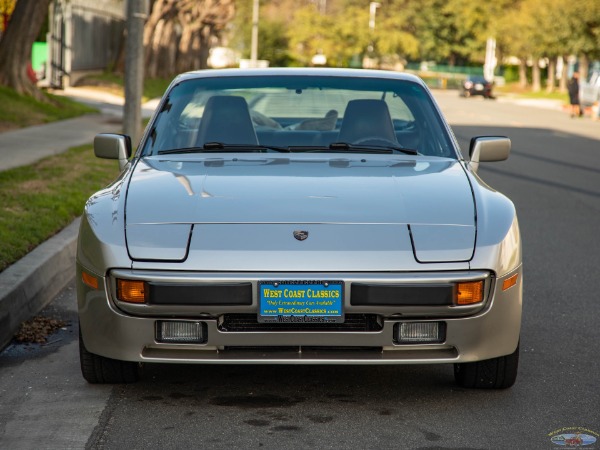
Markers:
point(298, 113)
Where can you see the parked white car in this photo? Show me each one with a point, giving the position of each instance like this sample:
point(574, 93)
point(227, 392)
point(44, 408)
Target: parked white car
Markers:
point(300, 216)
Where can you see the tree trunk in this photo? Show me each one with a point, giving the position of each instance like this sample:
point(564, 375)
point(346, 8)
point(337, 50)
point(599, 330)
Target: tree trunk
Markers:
point(185, 52)
point(179, 34)
point(161, 10)
point(584, 67)
point(536, 77)
point(155, 49)
point(15, 46)
point(551, 82)
point(168, 50)
point(562, 87)
point(452, 59)
point(523, 73)
point(204, 47)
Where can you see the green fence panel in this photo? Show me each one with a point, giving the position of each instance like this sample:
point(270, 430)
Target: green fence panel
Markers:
point(39, 55)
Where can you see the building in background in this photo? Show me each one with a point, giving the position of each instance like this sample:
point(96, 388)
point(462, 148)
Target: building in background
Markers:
point(84, 36)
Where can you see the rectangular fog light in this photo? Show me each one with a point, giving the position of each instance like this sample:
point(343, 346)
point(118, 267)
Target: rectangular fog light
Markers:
point(180, 332)
point(420, 332)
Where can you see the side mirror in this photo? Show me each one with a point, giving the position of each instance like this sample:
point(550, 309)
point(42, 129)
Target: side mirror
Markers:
point(488, 149)
point(113, 146)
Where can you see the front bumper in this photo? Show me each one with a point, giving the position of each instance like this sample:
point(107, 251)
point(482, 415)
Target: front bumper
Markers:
point(128, 332)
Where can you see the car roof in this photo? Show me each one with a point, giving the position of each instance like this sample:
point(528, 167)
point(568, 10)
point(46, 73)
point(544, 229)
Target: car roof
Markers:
point(299, 71)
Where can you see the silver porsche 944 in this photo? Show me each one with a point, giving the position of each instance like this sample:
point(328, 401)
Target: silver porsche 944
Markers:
point(299, 216)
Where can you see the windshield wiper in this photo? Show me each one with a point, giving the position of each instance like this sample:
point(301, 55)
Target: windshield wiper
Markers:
point(345, 147)
point(372, 148)
point(335, 147)
point(220, 147)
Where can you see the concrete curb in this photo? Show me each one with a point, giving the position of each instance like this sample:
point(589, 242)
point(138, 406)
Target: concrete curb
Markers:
point(32, 282)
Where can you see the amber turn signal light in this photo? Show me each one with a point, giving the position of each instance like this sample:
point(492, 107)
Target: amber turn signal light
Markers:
point(89, 280)
point(510, 282)
point(132, 291)
point(469, 292)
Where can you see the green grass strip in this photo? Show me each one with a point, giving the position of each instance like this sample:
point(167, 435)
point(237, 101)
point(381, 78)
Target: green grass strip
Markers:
point(21, 110)
point(112, 82)
point(39, 200)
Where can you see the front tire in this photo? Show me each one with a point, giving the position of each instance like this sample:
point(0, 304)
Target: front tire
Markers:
point(98, 369)
point(495, 373)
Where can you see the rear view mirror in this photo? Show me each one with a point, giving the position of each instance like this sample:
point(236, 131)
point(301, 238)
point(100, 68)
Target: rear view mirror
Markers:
point(113, 146)
point(488, 149)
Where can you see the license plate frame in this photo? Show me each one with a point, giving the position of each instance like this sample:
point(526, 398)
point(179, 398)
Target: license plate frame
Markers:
point(300, 301)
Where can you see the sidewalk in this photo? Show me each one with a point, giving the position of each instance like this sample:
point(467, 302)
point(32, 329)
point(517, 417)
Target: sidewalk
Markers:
point(31, 283)
point(28, 145)
point(557, 105)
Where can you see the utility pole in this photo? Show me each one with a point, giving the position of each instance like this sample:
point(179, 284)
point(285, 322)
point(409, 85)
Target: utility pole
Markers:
point(372, 10)
point(254, 43)
point(137, 11)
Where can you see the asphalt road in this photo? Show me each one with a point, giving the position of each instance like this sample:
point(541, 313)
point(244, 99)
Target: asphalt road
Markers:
point(553, 176)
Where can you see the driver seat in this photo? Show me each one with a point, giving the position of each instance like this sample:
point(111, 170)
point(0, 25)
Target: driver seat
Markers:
point(367, 119)
point(226, 119)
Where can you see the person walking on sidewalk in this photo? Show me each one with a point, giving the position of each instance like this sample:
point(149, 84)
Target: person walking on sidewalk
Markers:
point(573, 88)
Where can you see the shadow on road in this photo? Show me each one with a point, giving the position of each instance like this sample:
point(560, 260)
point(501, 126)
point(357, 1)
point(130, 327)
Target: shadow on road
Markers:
point(541, 156)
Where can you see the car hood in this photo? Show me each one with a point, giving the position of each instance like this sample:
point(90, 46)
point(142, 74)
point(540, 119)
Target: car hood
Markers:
point(424, 205)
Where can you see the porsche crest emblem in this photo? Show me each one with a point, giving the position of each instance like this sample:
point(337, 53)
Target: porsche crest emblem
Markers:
point(300, 235)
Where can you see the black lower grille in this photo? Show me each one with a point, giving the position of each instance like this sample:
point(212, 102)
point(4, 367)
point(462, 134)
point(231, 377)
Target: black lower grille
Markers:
point(303, 349)
point(403, 295)
point(248, 322)
point(201, 294)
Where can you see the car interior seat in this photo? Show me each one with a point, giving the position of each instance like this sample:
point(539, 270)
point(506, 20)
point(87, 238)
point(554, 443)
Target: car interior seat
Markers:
point(226, 119)
point(367, 119)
